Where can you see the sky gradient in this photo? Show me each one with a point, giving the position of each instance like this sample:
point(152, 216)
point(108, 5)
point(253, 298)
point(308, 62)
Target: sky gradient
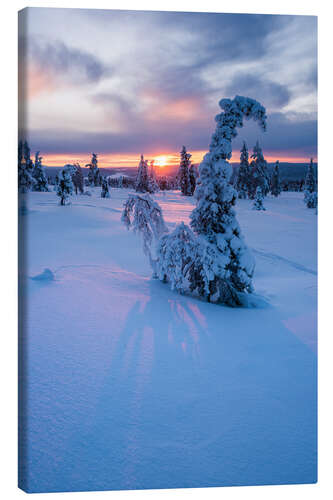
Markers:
point(122, 83)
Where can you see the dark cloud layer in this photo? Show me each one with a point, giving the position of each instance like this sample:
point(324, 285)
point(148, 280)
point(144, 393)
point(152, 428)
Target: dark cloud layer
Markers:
point(294, 138)
point(271, 94)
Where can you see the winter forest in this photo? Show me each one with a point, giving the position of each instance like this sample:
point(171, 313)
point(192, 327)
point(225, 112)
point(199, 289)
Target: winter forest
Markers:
point(168, 313)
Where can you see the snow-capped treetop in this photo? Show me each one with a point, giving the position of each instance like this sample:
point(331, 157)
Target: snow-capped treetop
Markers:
point(233, 114)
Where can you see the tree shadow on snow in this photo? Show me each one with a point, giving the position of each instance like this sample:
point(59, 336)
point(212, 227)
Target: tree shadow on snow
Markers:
point(201, 395)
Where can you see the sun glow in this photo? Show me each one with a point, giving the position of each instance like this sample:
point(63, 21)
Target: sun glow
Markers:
point(161, 161)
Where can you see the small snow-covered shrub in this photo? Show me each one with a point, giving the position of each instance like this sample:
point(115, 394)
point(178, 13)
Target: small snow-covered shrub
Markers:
point(311, 199)
point(105, 189)
point(64, 188)
point(258, 201)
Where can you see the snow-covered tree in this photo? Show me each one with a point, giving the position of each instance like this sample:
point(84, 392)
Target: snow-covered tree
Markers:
point(142, 214)
point(39, 174)
point(64, 188)
point(243, 176)
point(105, 189)
point(258, 200)
point(275, 181)
point(214, 218)
point(310, 187)
point(94, 175)
point(193, 178)
point(259, 172)
point(26, 180)
point(183, 173)
point(211, 260)
point(152, 180)
point(78, 180)
point(142, 184)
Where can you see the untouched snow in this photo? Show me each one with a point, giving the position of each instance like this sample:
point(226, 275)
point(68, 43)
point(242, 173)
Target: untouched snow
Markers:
point(132, 386)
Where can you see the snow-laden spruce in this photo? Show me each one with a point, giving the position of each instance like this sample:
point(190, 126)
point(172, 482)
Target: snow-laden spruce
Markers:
point(26, 180)
point(184, 173)
point(193, 178)
point(275, 181)
point(142, 179)
point(310, 187)
point(152, 179)
point(258, 200)
point(39, 175)
point(243, 176)
point(78, 180)
point(211, 260)
point(259, 172)
point(105, 189)
point(94, 175)
point(64, 188)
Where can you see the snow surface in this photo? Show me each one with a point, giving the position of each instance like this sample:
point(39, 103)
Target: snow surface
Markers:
point(131, 385)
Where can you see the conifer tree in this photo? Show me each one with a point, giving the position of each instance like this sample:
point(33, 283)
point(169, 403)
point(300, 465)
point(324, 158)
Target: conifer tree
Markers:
point(142, 184)
point(184, 174)
point(193, 178)
point(243, 177)
point(152, 181)
point(259, 172)
point(258, 200)
point(275, 182)
point(214, 218)
point(94, 175)
point(64, 188)
point(77, 178)
point(39, 174)
point(310, 187)
point(26, 180)
point(105, 189)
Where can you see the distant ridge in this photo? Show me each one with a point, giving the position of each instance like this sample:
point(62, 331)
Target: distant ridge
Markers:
point(288, 171)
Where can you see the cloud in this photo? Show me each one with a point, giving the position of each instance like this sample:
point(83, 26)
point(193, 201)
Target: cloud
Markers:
point(272, 95)
point(53, 63)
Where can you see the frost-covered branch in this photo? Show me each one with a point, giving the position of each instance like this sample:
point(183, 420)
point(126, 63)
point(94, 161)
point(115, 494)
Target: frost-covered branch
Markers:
point(143, 215)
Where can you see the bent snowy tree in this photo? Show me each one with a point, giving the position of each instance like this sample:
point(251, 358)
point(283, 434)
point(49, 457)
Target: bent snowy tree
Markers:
point(143, 215)
point(211, 260)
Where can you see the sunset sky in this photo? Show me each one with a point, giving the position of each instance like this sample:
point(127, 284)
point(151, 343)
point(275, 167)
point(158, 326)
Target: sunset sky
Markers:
point(122, 83)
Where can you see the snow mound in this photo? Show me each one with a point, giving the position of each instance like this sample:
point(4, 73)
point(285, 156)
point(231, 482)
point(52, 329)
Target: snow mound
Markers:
point(46, 275)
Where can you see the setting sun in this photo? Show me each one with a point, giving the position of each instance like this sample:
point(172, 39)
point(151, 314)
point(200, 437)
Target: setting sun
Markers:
point(161, 161)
